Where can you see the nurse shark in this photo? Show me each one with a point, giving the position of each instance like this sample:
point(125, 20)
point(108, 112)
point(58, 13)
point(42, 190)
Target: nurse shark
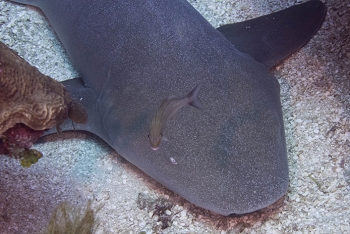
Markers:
point(230, 155)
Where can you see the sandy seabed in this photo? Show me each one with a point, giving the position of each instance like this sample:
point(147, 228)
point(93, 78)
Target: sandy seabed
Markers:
point(315, 94)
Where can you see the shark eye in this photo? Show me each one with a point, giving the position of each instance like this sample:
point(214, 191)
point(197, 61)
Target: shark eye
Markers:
point(161, 136)
point(149, 135)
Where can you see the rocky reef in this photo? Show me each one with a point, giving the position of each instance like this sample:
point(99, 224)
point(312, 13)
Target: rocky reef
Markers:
point(30, 103)
point(29, 97)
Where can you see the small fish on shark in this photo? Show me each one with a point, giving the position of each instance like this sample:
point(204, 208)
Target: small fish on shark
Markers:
point(167, 110)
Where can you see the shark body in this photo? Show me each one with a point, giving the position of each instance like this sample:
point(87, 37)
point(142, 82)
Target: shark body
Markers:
point(231, 156)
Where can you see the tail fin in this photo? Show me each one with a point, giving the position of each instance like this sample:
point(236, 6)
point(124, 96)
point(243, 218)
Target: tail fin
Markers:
point(193, 97)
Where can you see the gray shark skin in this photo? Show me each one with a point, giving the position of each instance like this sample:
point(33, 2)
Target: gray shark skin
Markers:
point(230, 157)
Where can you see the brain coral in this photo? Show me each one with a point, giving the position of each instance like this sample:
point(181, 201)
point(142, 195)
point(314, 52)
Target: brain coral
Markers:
point(29, 97)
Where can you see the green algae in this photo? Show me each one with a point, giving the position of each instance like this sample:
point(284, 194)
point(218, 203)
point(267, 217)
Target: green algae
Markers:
point(30, 157)
point(67, 219)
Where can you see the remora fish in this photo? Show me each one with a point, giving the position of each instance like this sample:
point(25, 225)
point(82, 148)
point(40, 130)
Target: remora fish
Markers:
point(233, 153)
point(166, 111)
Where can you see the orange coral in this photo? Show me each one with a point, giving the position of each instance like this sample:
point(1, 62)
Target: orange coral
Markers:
point(29, 97)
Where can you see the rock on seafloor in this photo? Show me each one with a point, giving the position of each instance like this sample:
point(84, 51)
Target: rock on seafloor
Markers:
point(29, 97)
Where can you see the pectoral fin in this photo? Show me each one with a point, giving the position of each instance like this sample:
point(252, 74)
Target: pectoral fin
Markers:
point(29, 2)
point(272, 38)
point(83, 97)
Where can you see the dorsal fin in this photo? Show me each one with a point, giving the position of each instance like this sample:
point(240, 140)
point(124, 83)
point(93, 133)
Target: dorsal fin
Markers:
point(272, 38)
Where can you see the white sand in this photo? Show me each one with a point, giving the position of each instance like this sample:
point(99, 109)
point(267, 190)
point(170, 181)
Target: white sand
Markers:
point(315, 93)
